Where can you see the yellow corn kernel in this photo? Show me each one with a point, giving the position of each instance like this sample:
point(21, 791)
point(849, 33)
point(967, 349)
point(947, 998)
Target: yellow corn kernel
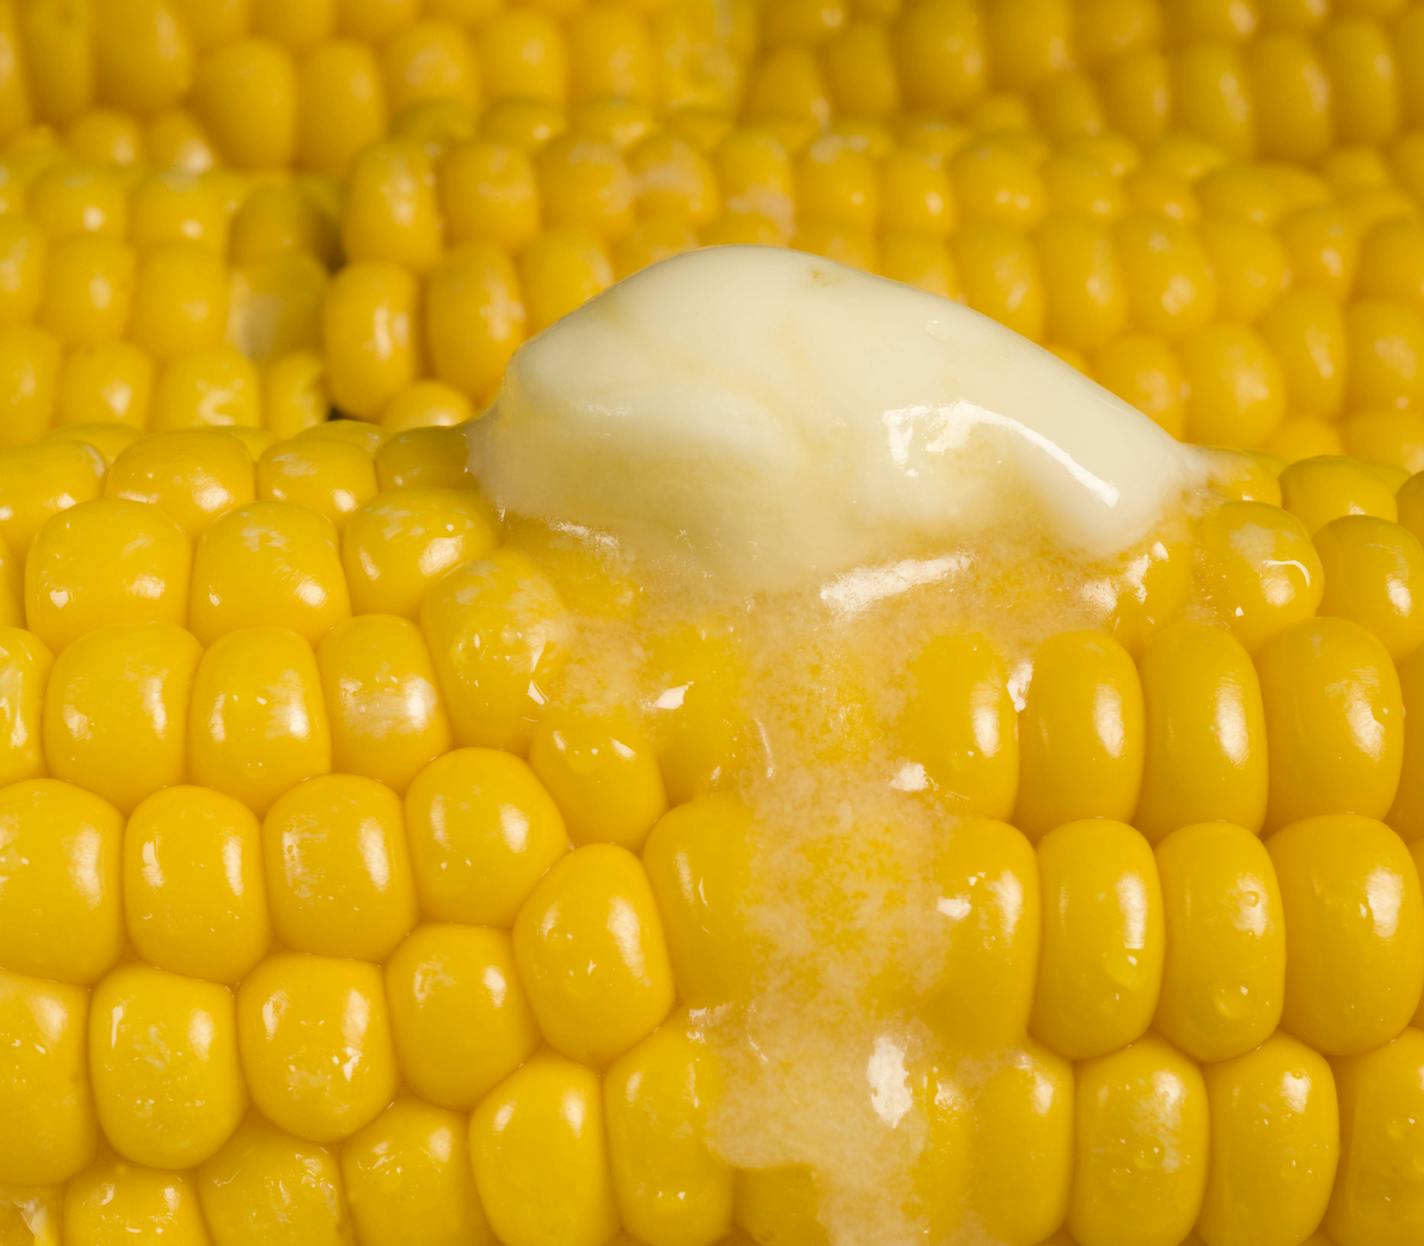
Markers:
point(1223, 979)
point(194, 896)
point(39, 481)
point(1374, 576)
point(323, 475)
point(1360, 62)
point(779, 1205)
point(163, 1059)
point(602, 771)
point(1386, 352)
point(176, 142)
point(391, 211)
point(341, 105)
point(1307, 438)
point(408, 1178)
point(1378, 1196)
point(960, 724)
point(267, 1188)
point(1395, 437)
point(60, 908)
point(1086, 293)
point(58, 43)
point(102, 562)
point(1317, 490)
point(1251, 267)
point(30, 362)
point(523, 53)
point(112, 381)
point(1001, 276)
point(76, 198)
point(1333, 721)
point(1355, 931)
point(1145, 372)
point(1154, 193)
point(994, 183)
point(475, 318)
point(458, 1013)
point(586, 184)
point(596, 984)
point(246, 97)
point(1323, 248)
point(192, 476)
point(297, 24)
point(652, 239)
point(1101, 965)
point(787, 92)
point(180, 300)
point(387, 721)
point(1171, 287)
point(1274, 1144)
point(658, 1097)
point(257, 725)
point(1290, 84)
point(50, 1131)
point(1140, 1111)
point(1260, 570)
point(395, 547)
point(495, 628)
point(1137, 93)
point(338, 875)
point(143, 55)
point(24, 670)
point(109, 438)
point(319, 1082)
point(1212, 90)
point(268, 564)
point(112, 1201)
point(1236, 386)
point(279, 219)
point(1205, 732)
point(1028, 40)
point(24, 249)
point(116, 710)
point(294, 394)
point(540, 1157)
point(213, 388)
point(89, 289)
point(673, 180)
point(466, 868)
point(489, 193)
point(698, 865)
point(1020, 1188)
point(1080, 734)
point(1305, 330)
point(369, 328)
point(992, 944)
point(429, 60)
point(1080, 186)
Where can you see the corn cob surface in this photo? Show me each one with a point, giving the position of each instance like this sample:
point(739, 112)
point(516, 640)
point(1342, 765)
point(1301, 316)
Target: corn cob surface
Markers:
point(375, 868)
point(376, 871)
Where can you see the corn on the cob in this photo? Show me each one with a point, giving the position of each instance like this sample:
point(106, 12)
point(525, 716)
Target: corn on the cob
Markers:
point(269, 728)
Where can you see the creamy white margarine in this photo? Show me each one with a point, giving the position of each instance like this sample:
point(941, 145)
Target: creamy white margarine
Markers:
point(783, 417)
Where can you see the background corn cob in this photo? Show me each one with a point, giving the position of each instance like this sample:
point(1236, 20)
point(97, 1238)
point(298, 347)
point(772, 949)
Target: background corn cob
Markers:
point(222, 677)
point(1274, 306)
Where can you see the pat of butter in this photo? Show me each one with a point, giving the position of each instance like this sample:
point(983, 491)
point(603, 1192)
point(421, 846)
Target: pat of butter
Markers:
point(780, 418)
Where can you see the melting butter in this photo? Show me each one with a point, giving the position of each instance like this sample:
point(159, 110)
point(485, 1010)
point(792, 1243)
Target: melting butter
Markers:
point(782, 418)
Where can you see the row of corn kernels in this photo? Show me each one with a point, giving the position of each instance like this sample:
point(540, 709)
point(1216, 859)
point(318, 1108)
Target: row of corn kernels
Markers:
point(1319, 762)
point(1269, 83)
point(459, 1011)
point(280, 83)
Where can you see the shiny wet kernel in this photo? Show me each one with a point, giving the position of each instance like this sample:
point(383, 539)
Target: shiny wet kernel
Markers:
point(338, 874)
point(316, 1046)
point(194, 893)
point(164, 1065)
point(459, 1016)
